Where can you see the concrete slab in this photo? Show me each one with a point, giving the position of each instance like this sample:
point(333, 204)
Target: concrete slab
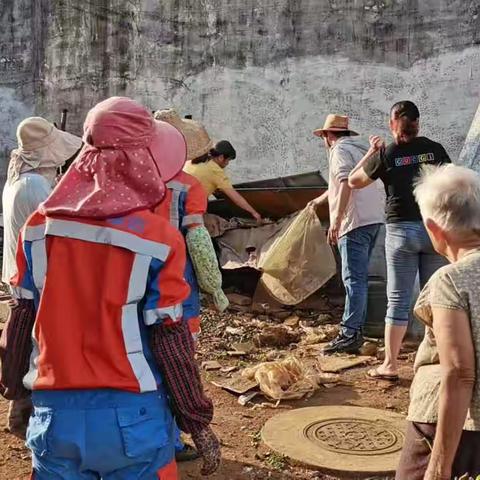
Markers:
point(336, 363)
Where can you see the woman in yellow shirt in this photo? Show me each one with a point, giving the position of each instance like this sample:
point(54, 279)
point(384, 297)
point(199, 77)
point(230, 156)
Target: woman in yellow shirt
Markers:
point(209, 170)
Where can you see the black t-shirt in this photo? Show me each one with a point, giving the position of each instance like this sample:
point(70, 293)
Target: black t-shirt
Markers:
point(397, 167)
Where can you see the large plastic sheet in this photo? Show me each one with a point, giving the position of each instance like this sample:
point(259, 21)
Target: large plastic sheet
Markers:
point(300, 261)
point(292, 253)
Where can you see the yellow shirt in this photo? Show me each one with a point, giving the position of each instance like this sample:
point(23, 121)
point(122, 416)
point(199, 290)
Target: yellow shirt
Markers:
point(210, 175)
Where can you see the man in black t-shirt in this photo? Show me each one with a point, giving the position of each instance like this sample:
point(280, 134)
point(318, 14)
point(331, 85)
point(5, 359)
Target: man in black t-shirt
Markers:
point(408, 249)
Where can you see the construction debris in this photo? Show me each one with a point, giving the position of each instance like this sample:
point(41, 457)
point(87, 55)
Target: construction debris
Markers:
point(319, 334)
point(288, 379)
point(292, 321)
point(369, 349)
point(237, 299)
point(335, 363)
point(276, 336)
point(238, 384)
point(211, 365)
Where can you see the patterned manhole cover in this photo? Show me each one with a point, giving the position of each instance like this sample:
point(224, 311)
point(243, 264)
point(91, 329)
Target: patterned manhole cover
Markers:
point(338, 438)
point(355, 437)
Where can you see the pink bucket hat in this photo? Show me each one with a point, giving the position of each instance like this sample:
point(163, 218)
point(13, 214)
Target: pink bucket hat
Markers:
point(123, 167)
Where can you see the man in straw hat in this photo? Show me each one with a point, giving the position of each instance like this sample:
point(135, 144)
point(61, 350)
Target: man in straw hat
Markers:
point(113, 362)
point(42, 148)
point(354, 225)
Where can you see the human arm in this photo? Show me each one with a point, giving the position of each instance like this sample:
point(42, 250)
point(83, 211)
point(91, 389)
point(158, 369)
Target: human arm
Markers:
point(238, 200)
point(337, 216)
point(22, 283)
point(444, 156)
point(457, 361)
point(361, 177)
point(319, 201)
point(200, 246)
point(205, 263)
point(172, 347)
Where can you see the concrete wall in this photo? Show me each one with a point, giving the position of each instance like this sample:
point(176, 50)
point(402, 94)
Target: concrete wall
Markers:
point(261, 73)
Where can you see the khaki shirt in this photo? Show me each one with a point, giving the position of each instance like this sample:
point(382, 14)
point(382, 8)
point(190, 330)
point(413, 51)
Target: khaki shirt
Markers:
point(457, 287)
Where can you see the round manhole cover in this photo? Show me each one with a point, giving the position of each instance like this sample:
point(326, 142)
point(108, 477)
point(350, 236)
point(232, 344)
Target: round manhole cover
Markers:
point(338, 439)
point(355, 437)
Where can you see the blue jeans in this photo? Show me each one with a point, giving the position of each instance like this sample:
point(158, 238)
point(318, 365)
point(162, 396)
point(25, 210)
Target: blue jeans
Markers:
point(355, 250)
point(408, 252)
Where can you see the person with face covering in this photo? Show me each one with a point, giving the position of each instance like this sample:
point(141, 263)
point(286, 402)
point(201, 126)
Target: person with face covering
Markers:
point(113, 361)
point(408, 249)
point(42, 149)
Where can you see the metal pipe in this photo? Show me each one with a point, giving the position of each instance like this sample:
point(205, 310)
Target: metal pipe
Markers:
point(63, 119)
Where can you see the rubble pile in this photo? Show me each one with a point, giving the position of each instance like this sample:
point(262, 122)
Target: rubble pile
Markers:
point(256, 351)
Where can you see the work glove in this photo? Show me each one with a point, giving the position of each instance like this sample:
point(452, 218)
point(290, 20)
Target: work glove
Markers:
point(208, 447)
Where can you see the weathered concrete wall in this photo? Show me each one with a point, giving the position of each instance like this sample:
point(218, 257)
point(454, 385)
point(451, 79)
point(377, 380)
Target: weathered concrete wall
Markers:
point(261, 73)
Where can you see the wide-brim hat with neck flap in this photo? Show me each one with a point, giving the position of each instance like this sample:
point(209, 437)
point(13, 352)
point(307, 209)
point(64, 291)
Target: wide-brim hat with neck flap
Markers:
point(41, 145)
point(198, 141)
point(124, 165)
point(334, 123)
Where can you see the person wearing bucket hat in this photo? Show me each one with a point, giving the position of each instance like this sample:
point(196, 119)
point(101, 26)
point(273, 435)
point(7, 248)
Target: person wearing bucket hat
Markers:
point(355, 221)
point(106, 394)
point(184, 205)
point(42, 148)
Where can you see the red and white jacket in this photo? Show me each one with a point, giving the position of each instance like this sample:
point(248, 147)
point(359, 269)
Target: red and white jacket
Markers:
point(98, 285)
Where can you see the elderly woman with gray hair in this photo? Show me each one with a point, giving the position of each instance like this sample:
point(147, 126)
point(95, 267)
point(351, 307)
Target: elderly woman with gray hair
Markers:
point(443, 433)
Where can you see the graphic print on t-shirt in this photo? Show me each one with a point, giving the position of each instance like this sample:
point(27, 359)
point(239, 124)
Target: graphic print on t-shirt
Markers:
point(414, 159)
point(398, 167)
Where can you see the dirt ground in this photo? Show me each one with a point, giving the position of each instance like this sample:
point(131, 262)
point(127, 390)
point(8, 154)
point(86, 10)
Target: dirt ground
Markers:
point(244, 455)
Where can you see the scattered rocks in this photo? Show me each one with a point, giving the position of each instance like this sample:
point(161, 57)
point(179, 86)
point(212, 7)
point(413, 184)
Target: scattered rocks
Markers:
point(369, 349)
point(245, 347)
point(281, 314)
point(277, 336)
point(237, 299)
point(324, 318)
point(211, 365)
point(234, 331)
point(381, 354)
point(292, 321)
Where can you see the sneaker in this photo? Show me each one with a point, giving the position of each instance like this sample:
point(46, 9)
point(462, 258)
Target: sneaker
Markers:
point(188, 454)
point(344, 344)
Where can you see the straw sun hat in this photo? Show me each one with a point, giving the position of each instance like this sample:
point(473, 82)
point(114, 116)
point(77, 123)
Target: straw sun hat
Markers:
point(198, 141)
point(334, 123)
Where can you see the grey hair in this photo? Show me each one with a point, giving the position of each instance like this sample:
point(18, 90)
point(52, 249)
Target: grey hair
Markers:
point(450, 196)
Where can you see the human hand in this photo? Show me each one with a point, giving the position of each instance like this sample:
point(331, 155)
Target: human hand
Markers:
point(208, 447)
point(333, 231)
point(257, 216)
point(13, 303)
point(376, 143)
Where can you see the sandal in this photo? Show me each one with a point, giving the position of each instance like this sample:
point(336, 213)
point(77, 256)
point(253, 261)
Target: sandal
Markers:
point(374, 374)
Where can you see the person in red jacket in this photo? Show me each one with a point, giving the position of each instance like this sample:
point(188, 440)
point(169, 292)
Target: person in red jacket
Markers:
point(112, 363)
